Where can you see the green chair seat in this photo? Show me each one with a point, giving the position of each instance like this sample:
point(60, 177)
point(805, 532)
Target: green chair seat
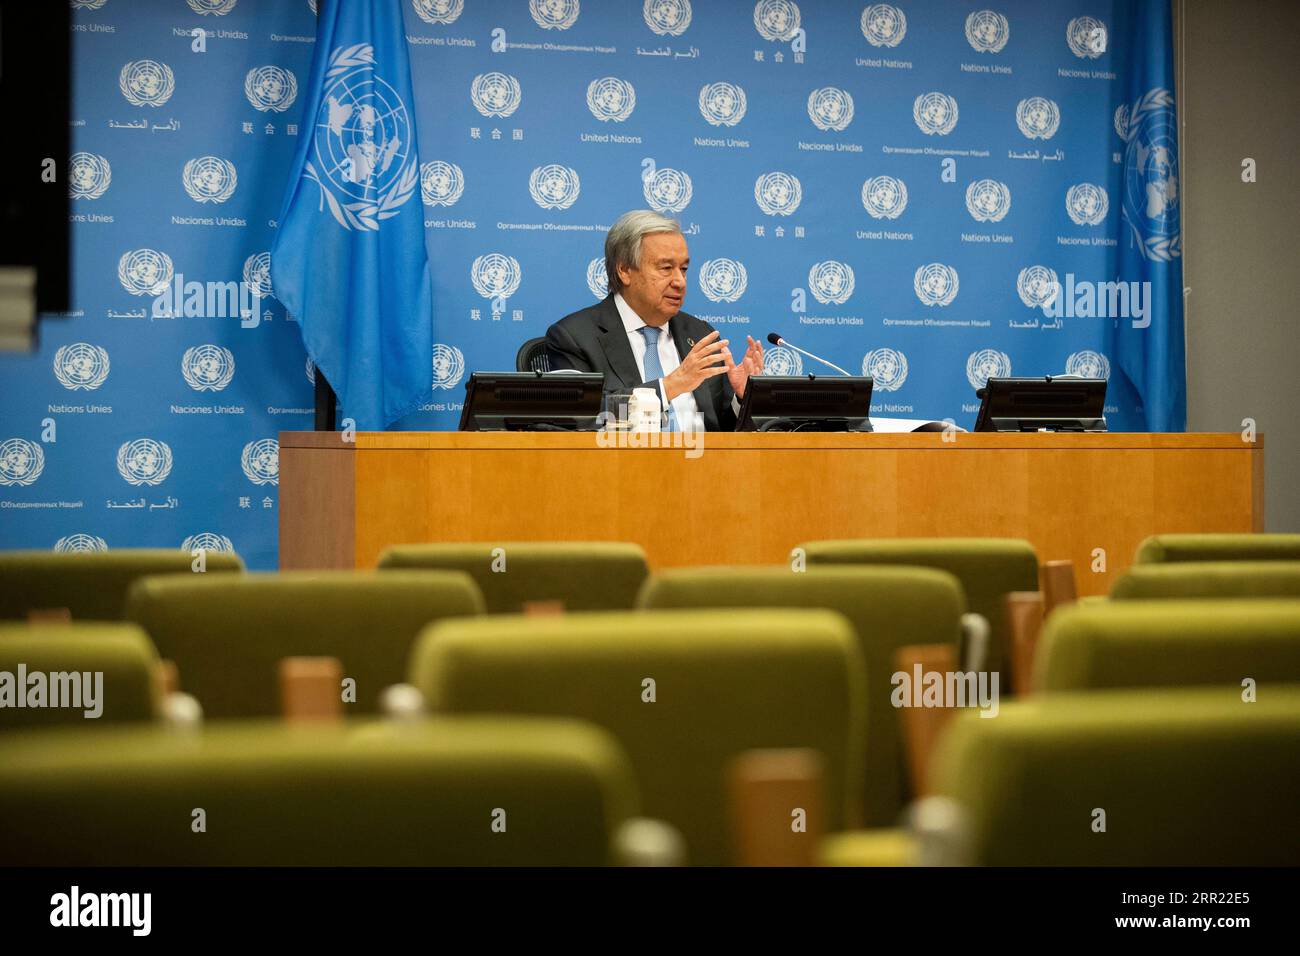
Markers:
point(68, 657)
point(1188, 777)
point(228, 634)
point(356, 794)
point(1214, 579)
point(988, 568)
point(722, 682)
point(889, 607)
point(599, 576)
point(1158, 643)
point(1160, 548)
point(92, 585)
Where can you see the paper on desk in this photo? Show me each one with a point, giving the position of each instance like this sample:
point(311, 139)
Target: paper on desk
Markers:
point(886, 426)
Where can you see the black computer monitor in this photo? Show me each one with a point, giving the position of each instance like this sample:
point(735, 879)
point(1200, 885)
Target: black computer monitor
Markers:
point(812, 403)
point(1055, 403)
point(532, 401)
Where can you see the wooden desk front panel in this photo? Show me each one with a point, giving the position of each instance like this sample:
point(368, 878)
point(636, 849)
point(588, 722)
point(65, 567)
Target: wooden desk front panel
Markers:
point(748, 499)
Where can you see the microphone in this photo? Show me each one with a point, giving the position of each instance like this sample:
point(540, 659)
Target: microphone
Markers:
point(777, 340)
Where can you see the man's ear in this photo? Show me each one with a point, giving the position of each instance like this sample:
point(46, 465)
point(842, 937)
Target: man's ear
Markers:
point(624, 275)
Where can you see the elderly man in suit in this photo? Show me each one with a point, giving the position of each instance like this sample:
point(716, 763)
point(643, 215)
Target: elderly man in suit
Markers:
point(639, 337)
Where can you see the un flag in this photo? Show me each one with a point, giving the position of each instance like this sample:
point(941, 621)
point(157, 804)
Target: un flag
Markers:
point(349, 259)
point(1148, 343)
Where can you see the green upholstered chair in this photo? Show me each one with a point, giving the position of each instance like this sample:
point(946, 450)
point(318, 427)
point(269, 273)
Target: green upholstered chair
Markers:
point(722, 682)
point(884, 847)
point(91, 585)
point(1187, 777)
point(227, 634)
point(1161, 548)
point(1154, 643)
point(988, 569)
point(597, 576)
point(889, 607)
point(356, 794)
point(67, 657)
point(1212, 579)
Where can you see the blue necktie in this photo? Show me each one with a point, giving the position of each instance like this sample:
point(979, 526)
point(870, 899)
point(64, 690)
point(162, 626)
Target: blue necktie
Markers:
point(654, 371)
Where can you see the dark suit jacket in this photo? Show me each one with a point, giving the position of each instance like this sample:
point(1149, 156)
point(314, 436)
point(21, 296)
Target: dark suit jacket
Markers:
point(594, 340)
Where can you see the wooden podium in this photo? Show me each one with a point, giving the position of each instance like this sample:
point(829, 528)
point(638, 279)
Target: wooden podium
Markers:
point(750, 498)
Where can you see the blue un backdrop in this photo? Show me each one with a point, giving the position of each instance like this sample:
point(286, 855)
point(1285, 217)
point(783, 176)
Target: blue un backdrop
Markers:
point(928, 192)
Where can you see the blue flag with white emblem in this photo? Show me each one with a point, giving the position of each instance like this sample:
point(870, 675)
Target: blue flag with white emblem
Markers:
point(1148, 345)
point(349, 259)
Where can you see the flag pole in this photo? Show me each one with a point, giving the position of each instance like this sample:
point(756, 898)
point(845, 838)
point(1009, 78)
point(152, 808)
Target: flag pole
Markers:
point(326, 421)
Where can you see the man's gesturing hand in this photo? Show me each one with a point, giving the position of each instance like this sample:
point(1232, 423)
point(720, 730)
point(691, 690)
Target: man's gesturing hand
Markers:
point(704, 361)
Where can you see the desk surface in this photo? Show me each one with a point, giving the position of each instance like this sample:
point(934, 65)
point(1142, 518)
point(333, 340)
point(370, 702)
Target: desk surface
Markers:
point(750, 498)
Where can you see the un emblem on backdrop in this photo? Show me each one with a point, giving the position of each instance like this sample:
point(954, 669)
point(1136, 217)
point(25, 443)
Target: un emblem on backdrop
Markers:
point(21, 461)
point(778, 193)
point(88, 175)
point(830, 108)
point(1037, 286)
point(1038, 117)
point(597, 280)
point(217, 7)
point(144, 271)
point(610, 98)
point(207, 368)
point(1087, 204)
point(722, 104)
point(988, 200)
point(364, 143)
point(986, 364)
point(884, 197)
point(1088, 364)
point(554, 187)
point(884, 24)
point(667, 190)
point(448, 366)
point(495, 275)
point(935, 284)
point(88, 4)
point(209, 179)
point(667, 17)
point(1150, 203)
point(257, 273)
point(495, 94)
point(831, 282)
point(261, 461)
point(987, 31)
point(270, 89)
point(935, 113)
point(723, 280)
point(438, 11)
point(74, 543)
point(441, 184)
point(144, 461)
point(554, 14)
point(1086, 37)
point(207, 541)
point(81, 366)
point(888, 367)
point(776, 19)
point(779, 360)
point(147, 83)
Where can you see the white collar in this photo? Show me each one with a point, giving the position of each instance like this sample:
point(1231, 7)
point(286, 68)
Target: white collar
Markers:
point(631, 321)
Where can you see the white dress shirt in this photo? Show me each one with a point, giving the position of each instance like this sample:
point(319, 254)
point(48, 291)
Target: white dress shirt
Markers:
point(684, 405)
